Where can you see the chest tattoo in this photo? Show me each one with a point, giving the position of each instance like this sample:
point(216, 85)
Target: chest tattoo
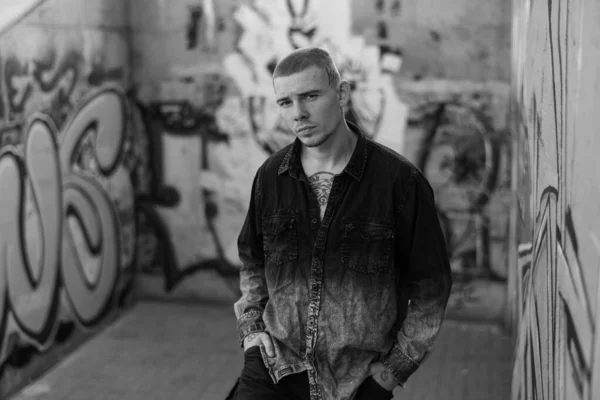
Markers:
point(321, 184)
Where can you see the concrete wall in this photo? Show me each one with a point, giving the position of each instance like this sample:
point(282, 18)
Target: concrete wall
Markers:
point(209, 100)
point(202, 78)
point(130, 132)
point(458, 40)
point(555, 99)
point(67, 225)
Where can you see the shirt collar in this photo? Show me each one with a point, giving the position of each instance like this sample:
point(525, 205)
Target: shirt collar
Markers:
point(355, 167)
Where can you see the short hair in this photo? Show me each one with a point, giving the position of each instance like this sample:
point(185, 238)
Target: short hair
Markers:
point(301, 59)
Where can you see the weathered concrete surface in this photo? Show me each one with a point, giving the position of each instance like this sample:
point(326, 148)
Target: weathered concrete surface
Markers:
point(458, 40)
point(555, 282)
point(176, 351)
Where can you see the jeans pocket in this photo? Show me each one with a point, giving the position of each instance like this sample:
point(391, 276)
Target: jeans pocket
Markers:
point(254, 367)
point(252, 350)
point(370, 389)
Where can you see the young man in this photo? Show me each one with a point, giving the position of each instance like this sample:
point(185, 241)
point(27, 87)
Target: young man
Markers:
point(345, 274)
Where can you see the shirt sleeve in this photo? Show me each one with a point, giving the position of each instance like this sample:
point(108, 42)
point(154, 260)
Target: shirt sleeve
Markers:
point(424, 276)
point(249, 308)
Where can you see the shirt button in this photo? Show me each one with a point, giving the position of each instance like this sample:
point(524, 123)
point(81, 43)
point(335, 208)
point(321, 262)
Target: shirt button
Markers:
point(314, 220)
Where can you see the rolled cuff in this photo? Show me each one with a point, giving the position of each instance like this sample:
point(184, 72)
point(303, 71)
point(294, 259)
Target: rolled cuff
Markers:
point(400, 364)
point(247, 329)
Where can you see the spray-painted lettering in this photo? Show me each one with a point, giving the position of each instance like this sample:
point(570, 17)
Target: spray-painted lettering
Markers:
point(59, 230)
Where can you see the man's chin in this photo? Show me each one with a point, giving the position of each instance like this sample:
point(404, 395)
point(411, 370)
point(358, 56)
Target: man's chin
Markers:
point(313, 140)
point(310, 143)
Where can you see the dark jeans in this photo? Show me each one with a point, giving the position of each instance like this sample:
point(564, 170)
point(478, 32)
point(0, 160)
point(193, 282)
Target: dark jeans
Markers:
point(256, 384)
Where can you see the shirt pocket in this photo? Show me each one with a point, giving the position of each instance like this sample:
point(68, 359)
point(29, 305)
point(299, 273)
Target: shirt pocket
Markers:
point(367, 246)
point(280, 239)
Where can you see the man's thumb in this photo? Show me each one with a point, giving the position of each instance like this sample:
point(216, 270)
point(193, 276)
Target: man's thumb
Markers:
point(266, 341)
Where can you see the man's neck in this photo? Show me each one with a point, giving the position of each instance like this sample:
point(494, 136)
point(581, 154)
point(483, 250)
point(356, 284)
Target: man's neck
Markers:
point(333, 155)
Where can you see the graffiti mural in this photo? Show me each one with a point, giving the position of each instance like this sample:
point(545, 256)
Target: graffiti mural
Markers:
point(248, 115)
point(202, 26)
point(456, 134)
point(229, 120)
point(157, 248)
point(460, 151)
point(557, 306)
point(67, 198)
point(271, 29)
point(67, 220)
point(459, 155)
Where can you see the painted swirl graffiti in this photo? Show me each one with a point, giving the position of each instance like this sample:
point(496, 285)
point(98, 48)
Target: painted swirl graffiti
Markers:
point(61, 231)
point(52, 77)
point(87, 207)
point(31, 288)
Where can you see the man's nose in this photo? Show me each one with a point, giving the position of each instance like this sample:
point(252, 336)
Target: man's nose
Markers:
point(300, 112)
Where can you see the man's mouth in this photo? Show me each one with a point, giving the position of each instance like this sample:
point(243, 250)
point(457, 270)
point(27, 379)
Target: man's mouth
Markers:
point(305, 128)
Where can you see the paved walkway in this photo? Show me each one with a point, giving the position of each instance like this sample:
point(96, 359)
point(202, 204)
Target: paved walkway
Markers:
point(184, 352)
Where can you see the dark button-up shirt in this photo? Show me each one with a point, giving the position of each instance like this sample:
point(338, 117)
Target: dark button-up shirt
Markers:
point(368, 282)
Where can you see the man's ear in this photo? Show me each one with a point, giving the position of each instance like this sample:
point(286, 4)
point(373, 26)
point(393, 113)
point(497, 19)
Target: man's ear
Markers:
point(344, 93)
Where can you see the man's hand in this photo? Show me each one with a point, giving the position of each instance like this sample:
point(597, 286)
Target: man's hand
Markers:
point(383, 376)
point(257, 339)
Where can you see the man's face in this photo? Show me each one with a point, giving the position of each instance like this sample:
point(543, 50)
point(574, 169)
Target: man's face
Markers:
point(309, 105)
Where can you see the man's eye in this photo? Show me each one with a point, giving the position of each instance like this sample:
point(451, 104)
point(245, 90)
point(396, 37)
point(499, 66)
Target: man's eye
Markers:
point(312, 96)
point(284, 104)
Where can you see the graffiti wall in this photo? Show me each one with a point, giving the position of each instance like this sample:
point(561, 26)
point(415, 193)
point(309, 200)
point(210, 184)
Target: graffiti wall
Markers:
point(209, 105)
point(67, 216)
point(555, 102)
point(214, 117)
point(130, 132)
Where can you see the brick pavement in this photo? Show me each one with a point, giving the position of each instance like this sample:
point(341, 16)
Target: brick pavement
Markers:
point(184, 351)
